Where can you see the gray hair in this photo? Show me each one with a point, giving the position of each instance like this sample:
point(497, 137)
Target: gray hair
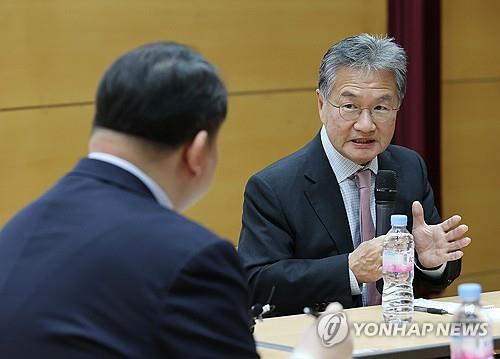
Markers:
point(367, 53)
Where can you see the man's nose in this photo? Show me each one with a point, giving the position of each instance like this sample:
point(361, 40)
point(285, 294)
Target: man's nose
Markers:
point(365, 121)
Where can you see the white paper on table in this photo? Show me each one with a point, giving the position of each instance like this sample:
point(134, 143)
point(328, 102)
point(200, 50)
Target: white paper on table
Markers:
point(493, 314)
point(428, 303)
point(364, 351)
point(450, 307)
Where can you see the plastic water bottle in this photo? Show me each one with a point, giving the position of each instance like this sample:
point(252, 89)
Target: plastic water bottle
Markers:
point(397, 271)
point(471, 332)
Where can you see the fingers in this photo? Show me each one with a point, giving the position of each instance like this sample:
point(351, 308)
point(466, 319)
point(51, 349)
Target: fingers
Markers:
point(373, 246)
point(457, 232)
point(311, 342)
point(451, 222)
point(454, 255)
point(418, 214)
point(333, 307)
point(374, 275)
point(376, 244)
point(458, 244)
point(379, 240)
point(454, 236)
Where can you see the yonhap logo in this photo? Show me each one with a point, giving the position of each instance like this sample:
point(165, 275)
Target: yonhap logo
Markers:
point(332, 328)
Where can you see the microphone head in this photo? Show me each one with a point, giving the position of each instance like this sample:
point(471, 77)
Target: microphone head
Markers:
point(386, 185)
point(268, 308)
point(256, 310)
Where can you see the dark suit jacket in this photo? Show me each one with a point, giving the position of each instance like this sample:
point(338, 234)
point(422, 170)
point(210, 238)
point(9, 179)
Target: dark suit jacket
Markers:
point(96, 268)
point(295, 233)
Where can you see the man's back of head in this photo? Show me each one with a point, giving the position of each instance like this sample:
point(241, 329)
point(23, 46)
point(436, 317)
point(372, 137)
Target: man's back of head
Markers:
point(163, 92)
point(160, 107)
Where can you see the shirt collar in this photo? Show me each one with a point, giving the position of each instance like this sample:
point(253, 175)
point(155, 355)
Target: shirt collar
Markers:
point(342, 166)
point(160, 195)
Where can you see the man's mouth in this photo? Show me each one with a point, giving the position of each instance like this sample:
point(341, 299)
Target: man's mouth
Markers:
point(363, 141)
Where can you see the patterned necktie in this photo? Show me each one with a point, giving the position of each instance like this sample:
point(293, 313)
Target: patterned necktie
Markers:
point(367, 227)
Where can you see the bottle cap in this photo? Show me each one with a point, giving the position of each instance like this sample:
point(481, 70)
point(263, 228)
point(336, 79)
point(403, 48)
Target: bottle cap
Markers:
point(399, 220)
point(469, 291)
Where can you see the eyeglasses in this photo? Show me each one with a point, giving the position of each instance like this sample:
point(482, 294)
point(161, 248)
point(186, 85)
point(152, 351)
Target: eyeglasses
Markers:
point(378, 113)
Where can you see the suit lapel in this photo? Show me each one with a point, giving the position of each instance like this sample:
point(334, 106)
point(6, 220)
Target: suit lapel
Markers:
point(386, 162)
point(323, 193)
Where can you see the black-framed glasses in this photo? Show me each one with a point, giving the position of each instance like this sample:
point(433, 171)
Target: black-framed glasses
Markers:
point(378, 113)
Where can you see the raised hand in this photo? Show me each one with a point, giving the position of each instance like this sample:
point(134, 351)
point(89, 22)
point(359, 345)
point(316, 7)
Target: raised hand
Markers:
point(439, 243)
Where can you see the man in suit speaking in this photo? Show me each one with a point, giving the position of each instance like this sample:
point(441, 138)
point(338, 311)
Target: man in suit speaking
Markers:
point(302, 230)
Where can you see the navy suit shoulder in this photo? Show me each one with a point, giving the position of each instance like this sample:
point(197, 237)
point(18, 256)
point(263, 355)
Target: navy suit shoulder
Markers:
point(97, 267)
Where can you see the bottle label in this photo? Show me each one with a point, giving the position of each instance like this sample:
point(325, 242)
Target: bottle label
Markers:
point(397, 261)
point(471, 347)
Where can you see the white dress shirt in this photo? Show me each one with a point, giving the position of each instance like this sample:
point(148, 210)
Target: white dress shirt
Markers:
point(160, 195)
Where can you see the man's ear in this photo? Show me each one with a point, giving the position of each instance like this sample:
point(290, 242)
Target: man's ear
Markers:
point(320, 100)
point(321, 103)
point(195, 153)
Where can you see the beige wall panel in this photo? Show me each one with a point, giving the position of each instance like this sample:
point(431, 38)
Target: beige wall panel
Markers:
point(37, 147)
point(470, 128)
point(259, 130)
point(489, 281)
point(470, 46)
point(53, 51)
point(471, 172)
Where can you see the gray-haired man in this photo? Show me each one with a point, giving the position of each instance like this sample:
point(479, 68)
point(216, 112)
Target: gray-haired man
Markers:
point(301, 228)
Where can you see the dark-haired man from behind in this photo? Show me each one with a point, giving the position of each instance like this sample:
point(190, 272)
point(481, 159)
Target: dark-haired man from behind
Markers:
point(102, 265)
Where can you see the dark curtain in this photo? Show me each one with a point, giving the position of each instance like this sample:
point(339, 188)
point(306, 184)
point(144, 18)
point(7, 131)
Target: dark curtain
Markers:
point(416, 25)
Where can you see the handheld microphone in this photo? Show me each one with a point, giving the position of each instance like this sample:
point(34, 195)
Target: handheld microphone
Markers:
point(385, 196)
